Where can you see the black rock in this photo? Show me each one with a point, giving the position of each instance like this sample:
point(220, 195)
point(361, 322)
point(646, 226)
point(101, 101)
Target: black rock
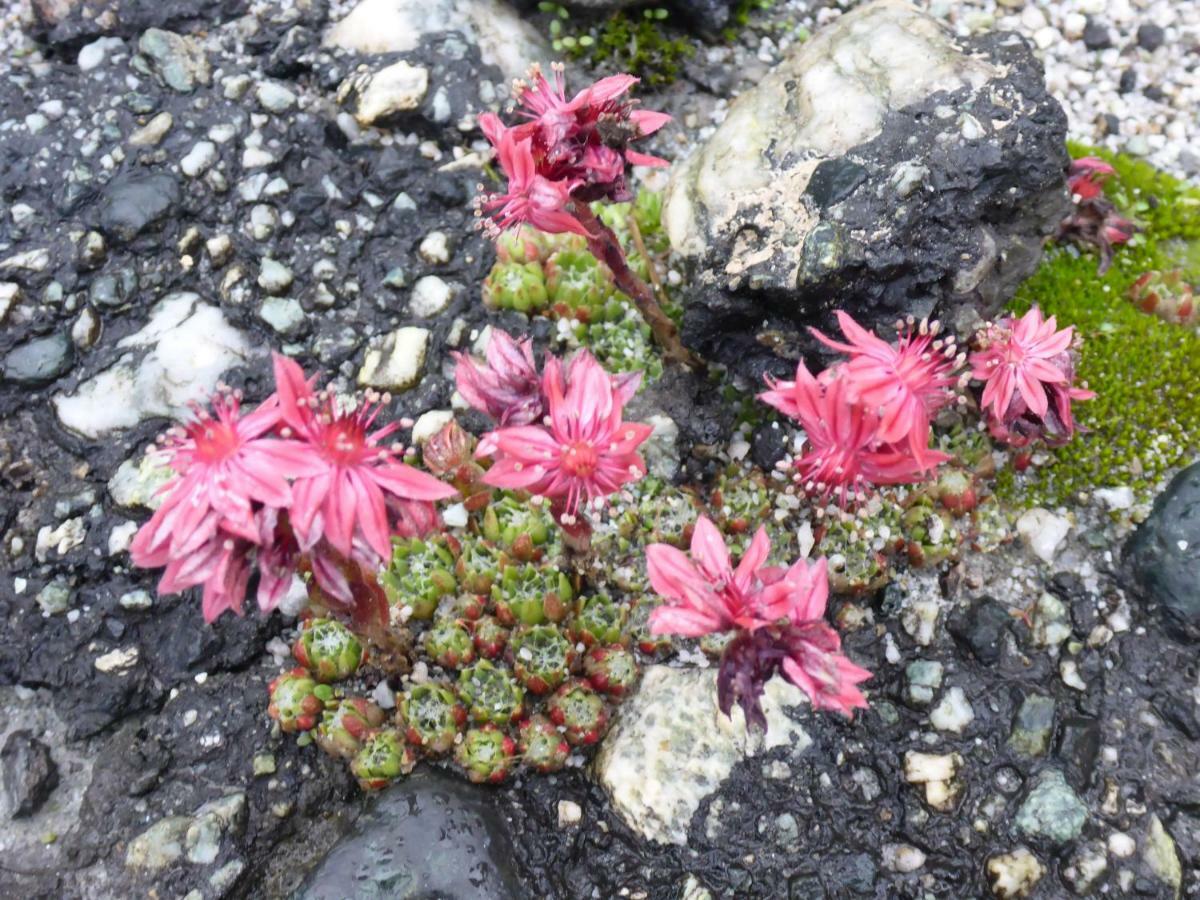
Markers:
point(768, 445)
point(29, 774)
point(432, 835)
point(928, 214)
point(1164, 554)
point(1155, 93)
point(1096, 36)
point(1078, 746)
point(1069, 588)
point(1128, 82)
point(1112, 124)
point(981, 629)
point(132, 204)
point(71, 23)
point(1150, 36)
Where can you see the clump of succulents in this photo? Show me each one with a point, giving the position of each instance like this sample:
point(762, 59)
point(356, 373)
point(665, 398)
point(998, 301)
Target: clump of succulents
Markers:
point(430, 717)
point(741, 501)
point(611, 670)
point(479, 565)
point(543, 747)
point(581, 287)
point(647, 642)
point(421, 572)
point(490, 636)
point(955, 490)
point(531, 595)
point(448, 643)
point(517, 286)
point(623, 343)
point(930, 532)
point(466, 608)
point(346, 724)
point(383, 758)
point(297, 700)
point(486, 754)
point(579, 711)
point(491, 694)
point(597, 620)
point(1167, 295)
point(328, 649)
point(524, 529)
point(541, 657)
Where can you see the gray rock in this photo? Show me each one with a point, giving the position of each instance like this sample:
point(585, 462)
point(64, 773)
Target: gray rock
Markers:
point(1164, 553)
point(854, 177)
point(430, 836)
point(1052, 810)
point(28, 773)
point(178, 61)
point(39, 361)
point(1033, 726)
point(924, 678)
point(132, 204)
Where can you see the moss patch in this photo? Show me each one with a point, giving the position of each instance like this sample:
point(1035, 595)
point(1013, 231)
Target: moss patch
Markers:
point(1145, 420)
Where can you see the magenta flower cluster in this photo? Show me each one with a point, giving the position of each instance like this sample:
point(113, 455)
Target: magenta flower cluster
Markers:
point(867, 419)
point(302, 483)
point(776, 615)
point(566, 150)
point(563, 435)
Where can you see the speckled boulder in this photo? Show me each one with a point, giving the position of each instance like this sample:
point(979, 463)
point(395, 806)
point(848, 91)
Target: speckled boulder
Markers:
point(886, 168)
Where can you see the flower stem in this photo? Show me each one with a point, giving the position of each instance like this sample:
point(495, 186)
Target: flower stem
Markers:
point(605, 246)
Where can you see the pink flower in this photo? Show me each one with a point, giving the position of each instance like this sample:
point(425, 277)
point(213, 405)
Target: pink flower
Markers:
point(221, 564)
point(844, 455)
point(508, 388)
point(903, 382)
point(584, 452)
point(778, 614)
point(1086, 177)
point(357, 481)
point(531, 198)
point(225, 464)
point(1027, 371)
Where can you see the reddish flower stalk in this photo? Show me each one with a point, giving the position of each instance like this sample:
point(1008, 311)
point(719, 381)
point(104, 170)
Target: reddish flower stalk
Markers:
point(1028, 372)
point(567, 154)
point(777, 614)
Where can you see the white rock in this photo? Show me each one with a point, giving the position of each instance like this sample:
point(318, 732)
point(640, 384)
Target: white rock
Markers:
point(121, 537)
point(137, 480)
point(397, 88)
point(456, 516)
point(672, 747)
point(395, 364)
point(430, 295)
point(199, 159)
point(435, 248)
point(954, 713)
point(175, 359)
point(430, 423)
point(10, 293)
point(117, 660)
point(274, 277)
point(136, 600)
point(903, 857)
point(284, 314)
point(274, 97)
point(153, 131)
point(1117, 498)
point(660, 450)
point(569, 813)
point(1121, 845)
point(1042, 532)
point(384, 26)
point(63, 538)
point(93, 55)
point(1013, 875)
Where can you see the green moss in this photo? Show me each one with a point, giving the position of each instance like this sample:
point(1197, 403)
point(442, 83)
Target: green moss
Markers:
point(640, 42)
point(1145, 420)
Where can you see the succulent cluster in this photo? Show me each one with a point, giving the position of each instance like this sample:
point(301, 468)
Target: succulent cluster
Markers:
point(557, 276)
point(1167, 295)
point(521, 665)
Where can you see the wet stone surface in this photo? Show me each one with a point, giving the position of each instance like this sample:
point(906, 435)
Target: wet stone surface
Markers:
point(198, 200)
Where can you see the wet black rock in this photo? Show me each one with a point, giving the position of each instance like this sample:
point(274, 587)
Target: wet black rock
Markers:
point(768, 445)
point(432, 835)
point(1127, 82)
point(981, 629)
point(74, 22)
point(1078, 747)
point(133, 204)
point(28, 773)
point(1164, 553)
point(932, 199)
